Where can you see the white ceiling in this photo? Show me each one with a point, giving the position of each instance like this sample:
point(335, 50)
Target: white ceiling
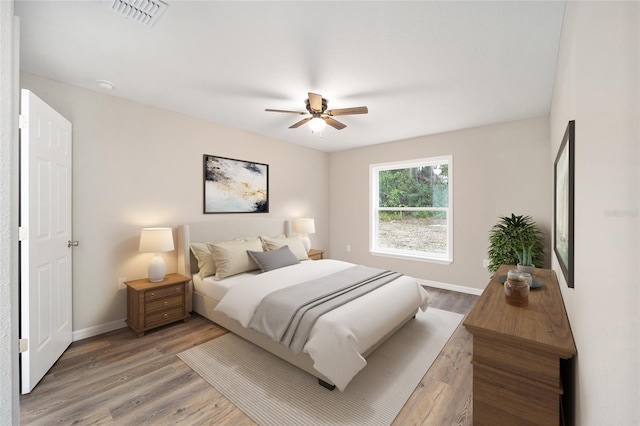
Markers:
point(420, 67)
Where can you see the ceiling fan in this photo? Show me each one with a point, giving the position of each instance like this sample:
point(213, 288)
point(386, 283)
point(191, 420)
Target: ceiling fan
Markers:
point(319, 115)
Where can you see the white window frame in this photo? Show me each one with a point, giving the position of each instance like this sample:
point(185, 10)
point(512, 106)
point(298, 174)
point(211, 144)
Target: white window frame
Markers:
point(374, 209)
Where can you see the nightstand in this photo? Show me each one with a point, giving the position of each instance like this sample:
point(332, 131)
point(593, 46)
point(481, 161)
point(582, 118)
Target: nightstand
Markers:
point(315, 254)
point(150, 305)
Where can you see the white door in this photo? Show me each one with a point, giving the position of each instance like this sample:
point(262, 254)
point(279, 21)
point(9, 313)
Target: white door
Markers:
point(45, 252)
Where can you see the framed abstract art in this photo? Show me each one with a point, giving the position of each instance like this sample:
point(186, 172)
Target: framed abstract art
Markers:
point(235, 186)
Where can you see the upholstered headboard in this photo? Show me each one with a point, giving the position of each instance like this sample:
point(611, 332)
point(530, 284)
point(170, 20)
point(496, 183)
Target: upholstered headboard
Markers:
point(217, 230)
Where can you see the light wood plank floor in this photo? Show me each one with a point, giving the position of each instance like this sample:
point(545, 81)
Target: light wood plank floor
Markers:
point(116, 378)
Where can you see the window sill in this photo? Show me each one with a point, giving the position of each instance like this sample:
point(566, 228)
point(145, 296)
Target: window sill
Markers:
point(441, 261)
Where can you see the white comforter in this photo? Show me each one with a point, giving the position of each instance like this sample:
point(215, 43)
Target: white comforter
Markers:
point(339, 336)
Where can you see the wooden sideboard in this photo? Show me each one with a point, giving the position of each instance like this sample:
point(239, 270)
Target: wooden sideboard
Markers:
point(517, 352)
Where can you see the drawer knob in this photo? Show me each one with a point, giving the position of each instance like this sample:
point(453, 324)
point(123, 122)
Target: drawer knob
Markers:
point(152, 295)
point(178, 289)
point(165, 316)
point(165, 303)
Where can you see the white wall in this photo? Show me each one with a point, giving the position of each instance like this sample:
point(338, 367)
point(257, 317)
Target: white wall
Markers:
point(498, 170)
point(8, 217)
point(597, 85)
point(137, 166)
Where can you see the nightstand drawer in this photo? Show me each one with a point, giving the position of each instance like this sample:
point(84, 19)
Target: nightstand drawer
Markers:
point(167, 302)
point(163, 292)
point(164, 315)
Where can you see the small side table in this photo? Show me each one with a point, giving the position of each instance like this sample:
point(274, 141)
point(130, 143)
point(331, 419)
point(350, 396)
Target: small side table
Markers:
point(315, 254)
point(151, 305)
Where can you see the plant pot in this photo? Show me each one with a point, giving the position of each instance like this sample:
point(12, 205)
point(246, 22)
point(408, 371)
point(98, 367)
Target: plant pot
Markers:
point(526, 268)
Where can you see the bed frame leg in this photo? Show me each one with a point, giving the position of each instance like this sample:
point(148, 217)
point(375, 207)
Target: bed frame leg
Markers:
point(326, 385)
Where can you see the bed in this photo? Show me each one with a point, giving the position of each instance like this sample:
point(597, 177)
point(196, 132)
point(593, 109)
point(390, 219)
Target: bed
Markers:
point(339, 341)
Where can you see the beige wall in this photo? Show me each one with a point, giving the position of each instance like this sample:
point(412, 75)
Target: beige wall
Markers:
point(597, 85)
point(498, 170)
point(138, 166)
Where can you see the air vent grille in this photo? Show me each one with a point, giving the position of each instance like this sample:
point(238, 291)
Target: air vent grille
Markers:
point(145, 12)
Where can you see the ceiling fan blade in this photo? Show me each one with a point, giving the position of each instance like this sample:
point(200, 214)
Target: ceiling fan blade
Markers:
point(285, 110)
point(315, 102)
point(300, 123)
point(334, 123)
point(348, 111)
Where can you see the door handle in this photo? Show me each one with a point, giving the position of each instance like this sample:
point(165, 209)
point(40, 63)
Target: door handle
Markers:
point(73, 243)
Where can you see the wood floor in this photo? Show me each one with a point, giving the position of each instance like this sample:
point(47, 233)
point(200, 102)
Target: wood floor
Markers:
point(116, 378)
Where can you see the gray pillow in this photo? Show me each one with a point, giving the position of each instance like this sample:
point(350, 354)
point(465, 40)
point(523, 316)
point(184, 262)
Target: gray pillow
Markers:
point(270, 260)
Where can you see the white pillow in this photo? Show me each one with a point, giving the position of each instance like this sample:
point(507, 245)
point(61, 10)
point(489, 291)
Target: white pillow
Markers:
point(294, 243)
point(231, 257)
point(206, 264)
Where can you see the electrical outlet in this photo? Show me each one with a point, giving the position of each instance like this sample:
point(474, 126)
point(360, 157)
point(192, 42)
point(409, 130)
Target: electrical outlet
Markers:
point(485, 263)
point(348, 248)
point(121, 282)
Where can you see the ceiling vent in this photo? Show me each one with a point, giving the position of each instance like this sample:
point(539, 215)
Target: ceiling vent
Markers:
point(145, 12)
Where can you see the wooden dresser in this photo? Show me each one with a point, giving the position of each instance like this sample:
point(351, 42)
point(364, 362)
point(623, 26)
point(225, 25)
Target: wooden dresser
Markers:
point(517, 354)
point(150, 305)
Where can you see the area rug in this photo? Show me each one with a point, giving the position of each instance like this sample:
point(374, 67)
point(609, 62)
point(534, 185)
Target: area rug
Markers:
point(273, 392)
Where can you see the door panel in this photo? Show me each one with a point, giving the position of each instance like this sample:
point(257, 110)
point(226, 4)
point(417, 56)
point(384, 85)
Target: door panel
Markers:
point(45, 258)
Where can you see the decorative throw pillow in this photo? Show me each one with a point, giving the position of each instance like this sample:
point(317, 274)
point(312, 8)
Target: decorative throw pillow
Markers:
point(206, 265)
point(231, 256)
point(270, 260)
point(294, 243)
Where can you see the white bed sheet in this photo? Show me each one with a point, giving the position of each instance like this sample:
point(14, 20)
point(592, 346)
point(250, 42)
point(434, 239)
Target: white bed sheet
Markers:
point(340, 336)
point(216, 289)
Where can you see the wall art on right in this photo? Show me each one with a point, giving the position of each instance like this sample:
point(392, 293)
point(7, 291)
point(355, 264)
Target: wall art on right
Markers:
point(563, 203)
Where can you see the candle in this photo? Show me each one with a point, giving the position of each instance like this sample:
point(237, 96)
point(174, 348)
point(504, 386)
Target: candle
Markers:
point(513, 274)
point(525, 276)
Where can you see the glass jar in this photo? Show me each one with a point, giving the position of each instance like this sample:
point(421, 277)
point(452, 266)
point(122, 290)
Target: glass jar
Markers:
point(516, 292)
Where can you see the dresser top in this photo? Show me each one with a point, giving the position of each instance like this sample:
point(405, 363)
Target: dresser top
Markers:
point(542, 326)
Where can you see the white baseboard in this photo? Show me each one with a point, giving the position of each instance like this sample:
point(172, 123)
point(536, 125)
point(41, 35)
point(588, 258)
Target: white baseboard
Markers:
point(452, 287)
point(98, 329)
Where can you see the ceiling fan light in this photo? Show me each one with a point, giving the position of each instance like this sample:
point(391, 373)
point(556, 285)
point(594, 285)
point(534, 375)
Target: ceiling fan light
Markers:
point(316, 124)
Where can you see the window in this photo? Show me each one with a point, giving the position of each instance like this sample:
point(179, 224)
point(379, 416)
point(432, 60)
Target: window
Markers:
point(411, 209)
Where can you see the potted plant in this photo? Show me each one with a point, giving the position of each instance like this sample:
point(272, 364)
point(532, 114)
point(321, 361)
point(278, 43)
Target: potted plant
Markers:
point(509, 236)
point(525, 260)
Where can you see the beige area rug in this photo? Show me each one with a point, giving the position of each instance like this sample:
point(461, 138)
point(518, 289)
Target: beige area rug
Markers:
point(273, 392)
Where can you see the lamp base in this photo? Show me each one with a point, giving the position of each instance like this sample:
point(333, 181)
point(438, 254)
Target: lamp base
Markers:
point(306, 242)
point(157, 269)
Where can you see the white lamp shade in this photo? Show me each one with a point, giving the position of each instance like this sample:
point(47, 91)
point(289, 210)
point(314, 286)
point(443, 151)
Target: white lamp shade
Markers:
point(304, 226)
point(156, 240)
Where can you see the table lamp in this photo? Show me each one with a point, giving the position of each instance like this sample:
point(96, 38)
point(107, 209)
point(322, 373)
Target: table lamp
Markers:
point(304, 226)
point(156, 240)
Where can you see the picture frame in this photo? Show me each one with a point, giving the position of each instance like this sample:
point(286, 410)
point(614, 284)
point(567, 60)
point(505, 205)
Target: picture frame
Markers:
point(234, 186)
point(563, 204)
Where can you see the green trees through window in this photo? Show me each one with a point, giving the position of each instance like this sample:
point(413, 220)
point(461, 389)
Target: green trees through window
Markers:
point(411, 212)
point(414, 187)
